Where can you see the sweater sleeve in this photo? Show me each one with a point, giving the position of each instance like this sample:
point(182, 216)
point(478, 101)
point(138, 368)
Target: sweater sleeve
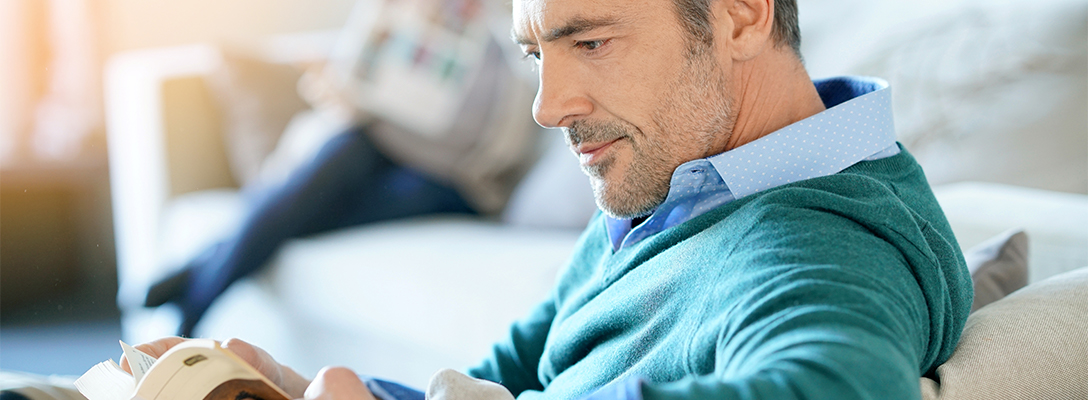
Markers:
point(831, 310)
point(513, 362)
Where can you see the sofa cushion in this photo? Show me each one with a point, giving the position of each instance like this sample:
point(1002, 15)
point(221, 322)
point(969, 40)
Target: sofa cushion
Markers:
point(258, 99)
point(1032, 344)
point(398, 299)
point(998, 266)
point(1058, 222)
point(984, 90)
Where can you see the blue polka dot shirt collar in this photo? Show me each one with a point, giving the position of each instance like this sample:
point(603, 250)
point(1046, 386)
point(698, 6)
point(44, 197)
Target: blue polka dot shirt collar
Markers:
point(857, 126)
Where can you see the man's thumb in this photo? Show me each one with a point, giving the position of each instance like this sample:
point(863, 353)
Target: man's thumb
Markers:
point(259, 359)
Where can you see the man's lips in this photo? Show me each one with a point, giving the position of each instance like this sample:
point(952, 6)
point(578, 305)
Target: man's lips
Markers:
point(589, 153)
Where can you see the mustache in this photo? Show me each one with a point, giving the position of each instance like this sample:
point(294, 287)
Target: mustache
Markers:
point(594, 132)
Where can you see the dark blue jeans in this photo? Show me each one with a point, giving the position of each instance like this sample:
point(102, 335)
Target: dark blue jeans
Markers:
point(385, 390)
point(348, 183)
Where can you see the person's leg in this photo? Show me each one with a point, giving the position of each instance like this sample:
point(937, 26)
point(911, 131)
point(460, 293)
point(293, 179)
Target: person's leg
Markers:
point(348, 183)
point(276, 214)
point(398, 192)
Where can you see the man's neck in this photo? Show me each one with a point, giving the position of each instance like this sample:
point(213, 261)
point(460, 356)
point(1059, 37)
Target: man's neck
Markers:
point(772, 91)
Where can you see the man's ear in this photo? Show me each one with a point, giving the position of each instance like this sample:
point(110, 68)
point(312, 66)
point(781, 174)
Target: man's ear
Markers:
point(745, 25)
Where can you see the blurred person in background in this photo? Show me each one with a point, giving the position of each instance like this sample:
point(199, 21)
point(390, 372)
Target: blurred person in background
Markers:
point(432, 118)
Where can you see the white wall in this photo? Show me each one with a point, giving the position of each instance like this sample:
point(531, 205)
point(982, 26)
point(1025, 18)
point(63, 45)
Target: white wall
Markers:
point(134, 24)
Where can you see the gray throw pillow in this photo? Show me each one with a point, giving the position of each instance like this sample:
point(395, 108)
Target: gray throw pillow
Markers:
point(998, 266)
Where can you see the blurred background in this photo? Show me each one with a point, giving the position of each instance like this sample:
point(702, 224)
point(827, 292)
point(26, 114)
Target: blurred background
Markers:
point(57, 253)
point(984, 91)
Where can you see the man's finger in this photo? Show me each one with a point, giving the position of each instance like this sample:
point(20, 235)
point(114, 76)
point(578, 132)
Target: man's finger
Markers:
point(255, 356)
point(337, 383)
point(283, 376)
point(258, 358)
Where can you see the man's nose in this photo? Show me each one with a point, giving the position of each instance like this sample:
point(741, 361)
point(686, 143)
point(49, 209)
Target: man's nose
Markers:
point(561, 98)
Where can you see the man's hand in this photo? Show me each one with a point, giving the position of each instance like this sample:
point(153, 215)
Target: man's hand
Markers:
point(283, 376)
point(338, 383)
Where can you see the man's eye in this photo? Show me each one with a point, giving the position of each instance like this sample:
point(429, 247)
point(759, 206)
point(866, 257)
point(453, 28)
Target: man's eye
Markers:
point(533, 54)
point(590, 44)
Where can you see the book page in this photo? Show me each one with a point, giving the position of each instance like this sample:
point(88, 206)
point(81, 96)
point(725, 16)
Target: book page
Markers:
point(138, 361)
point(106, 381)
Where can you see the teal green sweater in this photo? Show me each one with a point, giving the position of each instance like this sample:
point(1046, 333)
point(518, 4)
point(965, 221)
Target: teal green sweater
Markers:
point(840, 287)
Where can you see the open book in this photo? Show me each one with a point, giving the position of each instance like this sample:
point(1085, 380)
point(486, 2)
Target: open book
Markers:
point(193, 370)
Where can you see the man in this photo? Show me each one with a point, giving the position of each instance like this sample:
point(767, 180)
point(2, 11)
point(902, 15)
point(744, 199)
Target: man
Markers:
point(762, 236)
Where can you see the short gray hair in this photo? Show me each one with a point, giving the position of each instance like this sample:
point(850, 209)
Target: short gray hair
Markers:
point(695, 17)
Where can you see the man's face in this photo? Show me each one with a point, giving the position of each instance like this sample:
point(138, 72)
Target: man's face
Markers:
point(634, 95)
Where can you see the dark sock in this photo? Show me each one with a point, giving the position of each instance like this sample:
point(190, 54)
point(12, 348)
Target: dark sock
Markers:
point(169, 289)
point(193, 287)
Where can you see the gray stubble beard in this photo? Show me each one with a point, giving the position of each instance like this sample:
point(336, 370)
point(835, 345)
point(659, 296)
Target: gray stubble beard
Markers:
point(645, 186)
point(640, 191)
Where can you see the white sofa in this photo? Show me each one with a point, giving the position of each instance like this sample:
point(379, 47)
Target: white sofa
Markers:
point(403, 299)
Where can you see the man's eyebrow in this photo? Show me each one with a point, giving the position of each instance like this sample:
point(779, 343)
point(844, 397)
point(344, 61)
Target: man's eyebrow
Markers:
point(574, 26)
point(521, 40)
